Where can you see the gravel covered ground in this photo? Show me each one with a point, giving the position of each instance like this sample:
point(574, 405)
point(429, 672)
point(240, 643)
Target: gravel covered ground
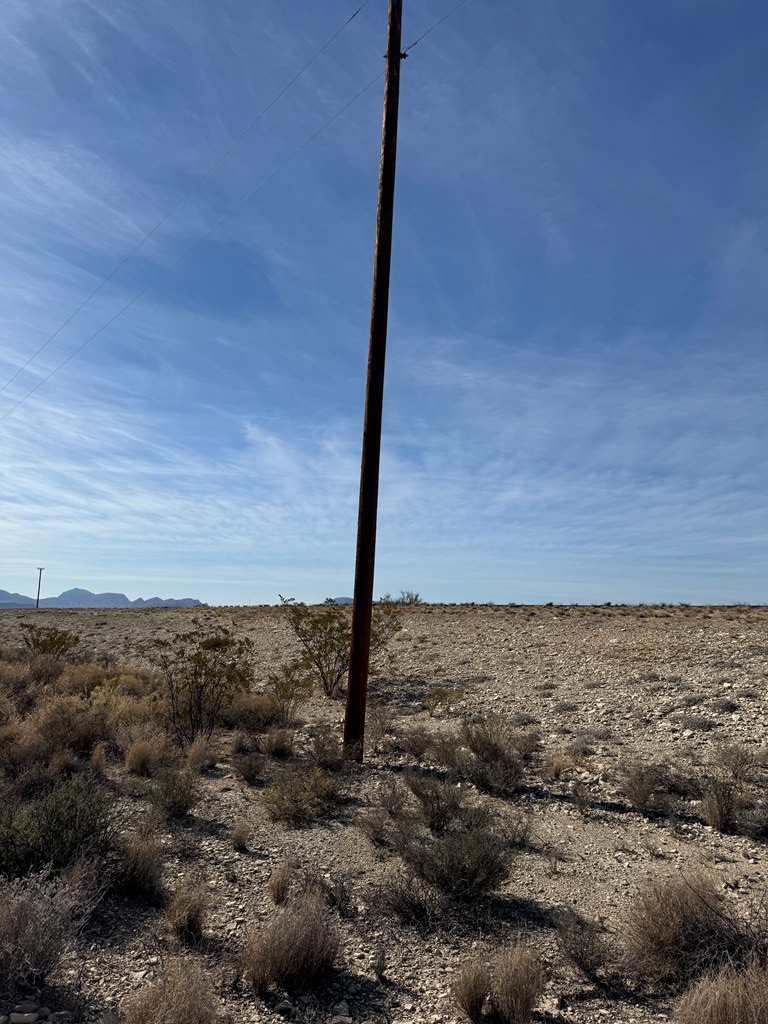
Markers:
point(602, 686)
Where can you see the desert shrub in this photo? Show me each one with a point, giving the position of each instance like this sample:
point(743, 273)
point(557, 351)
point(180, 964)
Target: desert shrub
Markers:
point(47, 641)
point(718, 805)
point(67, 824)
point(80, 680)
point(410, 899)
point(174, 792)
point(582, 942)
point(497, 765)
point(471, 990)
point(185, 913)
point(324, 634)
point(518, 983)
point(138, 873)
point(289, 688)
point(277, 743)
point(736, 759)
point(440, 802)
point(70, 722)
point(145, 756)
point(557, 763)
point(182, 995)
point(440, 697)
point(280, 882)
point(506, 992)
point(250, 767)
point(251, 712)
point(727, 997)
point(646, 786)
point(241, 834)
point(200, 756)
point(681, 927)
point(465, 864)
point(300, 796)
point(752, 819)
point(326, 750)
point(36, 923)
point(199, 676)
point(380, 722)
point(416, 741)
point(295, 951)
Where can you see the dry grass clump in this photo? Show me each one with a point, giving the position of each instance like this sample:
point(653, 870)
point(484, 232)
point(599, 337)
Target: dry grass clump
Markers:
point(465, 863)
point(297, 797)
point(277, 743)
point(440, 803)
point(185, 914)
point(145, 755)
point(728, 997)
point(295, 951)
point(416, 741)
point(139, 868)
point(182, 995)
point(80, 680)
point(250, 766)
point(250, 713)
point(646, 786)
point(327, 751)
point(241, 835)
point(200, 756)
point(504, 993)
point(280, 882)
point(411, 900)
point(36, 924)
point(681, 927)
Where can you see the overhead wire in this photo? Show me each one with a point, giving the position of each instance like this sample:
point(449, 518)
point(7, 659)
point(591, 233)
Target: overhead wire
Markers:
point(193, 188)
point(226, 215)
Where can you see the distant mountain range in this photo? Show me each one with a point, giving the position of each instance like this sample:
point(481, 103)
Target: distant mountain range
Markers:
point(77, 598)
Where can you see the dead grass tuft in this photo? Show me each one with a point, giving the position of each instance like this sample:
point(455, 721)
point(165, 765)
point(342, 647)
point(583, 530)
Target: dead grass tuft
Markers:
point(728, 997)
point(295, 951)
point(182, 995)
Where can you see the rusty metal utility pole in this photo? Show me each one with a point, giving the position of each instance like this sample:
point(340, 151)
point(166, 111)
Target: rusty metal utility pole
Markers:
point(40, 569)
point(357, 687)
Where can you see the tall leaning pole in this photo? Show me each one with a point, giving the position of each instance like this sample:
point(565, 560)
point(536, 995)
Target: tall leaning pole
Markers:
point(357, 686)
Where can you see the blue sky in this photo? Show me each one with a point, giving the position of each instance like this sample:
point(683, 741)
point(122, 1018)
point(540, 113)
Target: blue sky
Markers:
point(576, 371)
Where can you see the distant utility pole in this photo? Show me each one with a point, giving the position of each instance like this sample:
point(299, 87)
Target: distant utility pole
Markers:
point(39, 581)
point(357, 687)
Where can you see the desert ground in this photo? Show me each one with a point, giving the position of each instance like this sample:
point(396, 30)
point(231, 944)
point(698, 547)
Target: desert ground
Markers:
point(641, 738)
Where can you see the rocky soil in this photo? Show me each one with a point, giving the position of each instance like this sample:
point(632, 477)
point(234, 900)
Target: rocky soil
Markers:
point(602, 685)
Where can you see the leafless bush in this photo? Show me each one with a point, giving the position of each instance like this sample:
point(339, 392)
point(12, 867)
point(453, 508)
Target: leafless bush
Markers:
point(736, 759)
point(185, 914)
point(250, 767)
point(295, 951)
point(465, 864)
point(718, 806)
point(416, 741)
point(327, 751)
point(35, 927)
point(182, 995)
point(440, 802)
point(582, 943)
point(681, 927)
point(728, 997)
point(411, 900)
point(646, 786)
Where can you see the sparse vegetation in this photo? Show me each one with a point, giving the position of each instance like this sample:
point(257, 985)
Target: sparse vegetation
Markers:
point(183, 994)
point(295, 951)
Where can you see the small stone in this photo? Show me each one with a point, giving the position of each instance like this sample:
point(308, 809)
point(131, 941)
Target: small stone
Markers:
point(24, 1018)
point(341, 1009)
point(44, 1013)
point(28, 1007)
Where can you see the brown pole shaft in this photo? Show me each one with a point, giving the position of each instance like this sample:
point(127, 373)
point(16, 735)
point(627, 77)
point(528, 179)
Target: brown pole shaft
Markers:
point(357, 686)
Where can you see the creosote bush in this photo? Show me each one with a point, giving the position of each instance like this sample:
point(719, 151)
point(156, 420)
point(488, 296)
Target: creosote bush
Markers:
point(296, 951)
point(199, 677)
point(47, 641)
point(324, 634)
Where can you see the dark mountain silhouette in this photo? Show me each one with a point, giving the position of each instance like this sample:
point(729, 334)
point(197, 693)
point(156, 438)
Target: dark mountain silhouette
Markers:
point(77, 598)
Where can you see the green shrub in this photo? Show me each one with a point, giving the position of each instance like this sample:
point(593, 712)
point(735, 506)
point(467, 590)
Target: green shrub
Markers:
point(199, 677)
point(325, 634)
point(47, 641)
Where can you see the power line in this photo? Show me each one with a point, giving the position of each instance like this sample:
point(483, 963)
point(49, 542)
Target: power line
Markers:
point(224, 217)
point(196, 184)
